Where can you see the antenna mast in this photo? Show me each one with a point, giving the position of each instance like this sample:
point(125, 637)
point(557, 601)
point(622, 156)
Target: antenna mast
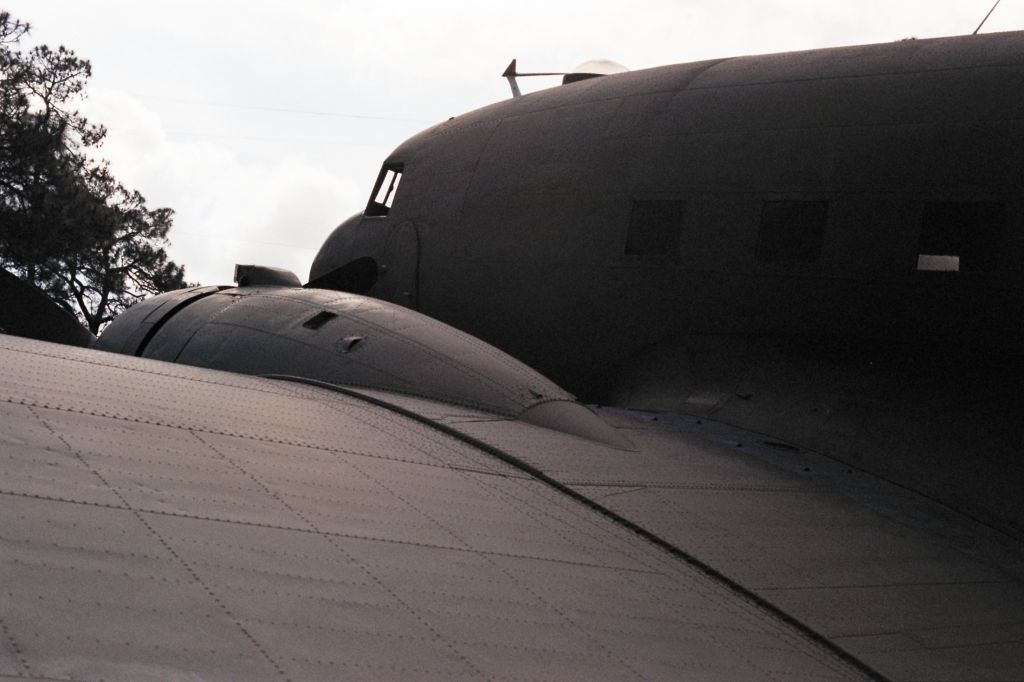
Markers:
point(986, 17)
point(511, 74)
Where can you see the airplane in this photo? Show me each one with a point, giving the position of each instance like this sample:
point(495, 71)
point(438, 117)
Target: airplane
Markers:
point(787, 290)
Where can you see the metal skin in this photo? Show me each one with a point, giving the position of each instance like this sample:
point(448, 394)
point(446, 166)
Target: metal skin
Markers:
point(402, 516)
point(517, 223)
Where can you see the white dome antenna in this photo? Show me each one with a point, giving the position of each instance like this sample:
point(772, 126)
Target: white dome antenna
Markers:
point(593, 68)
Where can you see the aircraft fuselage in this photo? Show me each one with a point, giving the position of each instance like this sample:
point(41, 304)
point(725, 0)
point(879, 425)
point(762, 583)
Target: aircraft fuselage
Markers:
point(826, 246)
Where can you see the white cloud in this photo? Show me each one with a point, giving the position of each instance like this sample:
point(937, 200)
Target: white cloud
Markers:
point(227, 211)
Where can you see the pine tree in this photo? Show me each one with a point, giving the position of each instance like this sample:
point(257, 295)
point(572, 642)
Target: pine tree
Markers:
point(66, 224)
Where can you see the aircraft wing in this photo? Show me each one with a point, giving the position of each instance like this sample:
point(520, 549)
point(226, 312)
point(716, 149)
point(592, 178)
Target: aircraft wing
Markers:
point(161, 521)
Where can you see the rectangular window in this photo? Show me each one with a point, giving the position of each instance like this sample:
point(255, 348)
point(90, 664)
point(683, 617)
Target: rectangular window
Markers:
point(384, 190)
point(792, 231)
point(960, 236)
point(654, 226)
point(935, 263)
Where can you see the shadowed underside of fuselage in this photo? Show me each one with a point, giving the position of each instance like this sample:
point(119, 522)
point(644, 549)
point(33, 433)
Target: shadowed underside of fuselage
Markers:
point(827, 246)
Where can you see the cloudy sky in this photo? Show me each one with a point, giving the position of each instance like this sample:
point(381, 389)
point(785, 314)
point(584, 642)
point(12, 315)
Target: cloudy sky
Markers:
point(263, 124)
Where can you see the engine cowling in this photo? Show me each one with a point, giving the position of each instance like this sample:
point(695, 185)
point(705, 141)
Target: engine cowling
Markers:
point(345, 339)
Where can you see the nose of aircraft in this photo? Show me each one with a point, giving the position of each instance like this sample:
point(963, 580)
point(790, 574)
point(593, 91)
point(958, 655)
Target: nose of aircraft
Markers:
point(347, 260)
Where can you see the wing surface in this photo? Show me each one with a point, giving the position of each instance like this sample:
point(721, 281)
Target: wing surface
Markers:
point(160, 521)
point(909, 587)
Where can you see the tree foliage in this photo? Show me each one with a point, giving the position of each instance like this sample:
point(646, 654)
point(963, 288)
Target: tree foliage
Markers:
point(66, 224)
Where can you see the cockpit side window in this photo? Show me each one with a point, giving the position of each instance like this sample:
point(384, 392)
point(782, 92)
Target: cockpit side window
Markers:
point(383, 196)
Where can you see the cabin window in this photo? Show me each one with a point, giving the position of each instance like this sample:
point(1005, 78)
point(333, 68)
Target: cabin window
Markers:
point(383, 196)
point(654, 226)
point(960, 236)
point(791, 231)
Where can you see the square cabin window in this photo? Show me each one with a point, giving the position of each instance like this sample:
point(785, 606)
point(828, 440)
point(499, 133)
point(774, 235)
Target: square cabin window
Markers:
point(654, 226)
point(960, 236)
point(791, 231)
point(384, 190)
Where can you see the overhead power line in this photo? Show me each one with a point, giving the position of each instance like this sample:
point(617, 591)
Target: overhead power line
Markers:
point(175, 231)
point(305, 112)
point(266, 138)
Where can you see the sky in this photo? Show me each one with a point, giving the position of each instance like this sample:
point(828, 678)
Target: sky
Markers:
point(264, 124)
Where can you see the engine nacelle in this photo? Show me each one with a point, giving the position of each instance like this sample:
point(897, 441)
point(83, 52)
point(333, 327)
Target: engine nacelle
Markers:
point(344, 339)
